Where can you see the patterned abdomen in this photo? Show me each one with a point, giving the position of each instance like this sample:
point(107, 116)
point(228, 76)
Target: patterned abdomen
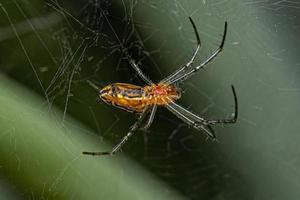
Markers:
point(134, 98)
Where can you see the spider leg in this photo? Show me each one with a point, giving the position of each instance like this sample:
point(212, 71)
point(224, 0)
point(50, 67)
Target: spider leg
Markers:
point(138, 70)
point(195, 69)
point(191, 122)
point(235, 114)
point(210, 131)
point(117, 147)
point(183, 68)
point(131, 61)
point(93, 85)
point(207, 122)
point(151, 117)
point(188, 113)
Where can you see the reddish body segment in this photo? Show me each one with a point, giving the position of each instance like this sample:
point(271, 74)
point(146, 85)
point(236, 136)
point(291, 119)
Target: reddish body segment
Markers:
point(134, 98)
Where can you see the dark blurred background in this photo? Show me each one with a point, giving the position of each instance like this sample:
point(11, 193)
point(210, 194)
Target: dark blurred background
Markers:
point(49, 114)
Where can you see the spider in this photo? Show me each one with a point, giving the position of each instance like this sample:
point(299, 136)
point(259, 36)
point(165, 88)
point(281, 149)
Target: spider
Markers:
point(145, 100)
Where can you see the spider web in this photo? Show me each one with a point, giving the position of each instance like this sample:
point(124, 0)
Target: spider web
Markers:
point(61, 44)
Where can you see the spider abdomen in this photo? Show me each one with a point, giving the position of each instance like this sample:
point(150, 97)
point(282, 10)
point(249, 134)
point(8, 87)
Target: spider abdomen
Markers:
point(133, 98)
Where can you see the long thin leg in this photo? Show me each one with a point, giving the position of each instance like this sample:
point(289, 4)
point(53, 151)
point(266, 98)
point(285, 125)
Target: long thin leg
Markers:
point(188, 113)
point(210, 121)
point(183, 68)
point(195, 69)
point(124, 139)
point(235, 115)
point(131, 61)
point(187, 119)
point(93, 85)
point(151, 117)
point(138, 70)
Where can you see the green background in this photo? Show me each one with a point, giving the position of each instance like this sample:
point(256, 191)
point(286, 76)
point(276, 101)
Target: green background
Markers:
point(41, 139)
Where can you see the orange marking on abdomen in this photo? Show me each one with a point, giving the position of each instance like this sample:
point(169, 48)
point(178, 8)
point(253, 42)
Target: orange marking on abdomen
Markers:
point(134, 98)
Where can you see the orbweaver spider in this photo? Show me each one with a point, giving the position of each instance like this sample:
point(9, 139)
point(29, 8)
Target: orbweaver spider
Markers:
point(144, 100)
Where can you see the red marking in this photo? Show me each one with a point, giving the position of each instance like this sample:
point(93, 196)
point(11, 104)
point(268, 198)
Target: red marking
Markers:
point(160, 90)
